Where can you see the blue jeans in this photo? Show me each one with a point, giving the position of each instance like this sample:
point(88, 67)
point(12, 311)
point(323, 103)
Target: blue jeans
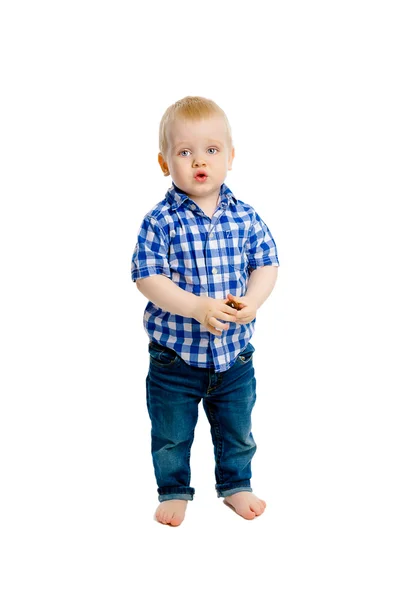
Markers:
point(174, 390)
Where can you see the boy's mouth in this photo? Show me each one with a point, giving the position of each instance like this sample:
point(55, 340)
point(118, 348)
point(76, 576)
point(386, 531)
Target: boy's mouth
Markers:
point(200, 176)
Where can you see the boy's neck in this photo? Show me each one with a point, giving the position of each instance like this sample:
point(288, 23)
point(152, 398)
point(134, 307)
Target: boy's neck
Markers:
point(210, 201)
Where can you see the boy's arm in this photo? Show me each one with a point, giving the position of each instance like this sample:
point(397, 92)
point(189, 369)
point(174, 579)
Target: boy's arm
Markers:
point(261, 283)
point(166, 294)
point(163, 292)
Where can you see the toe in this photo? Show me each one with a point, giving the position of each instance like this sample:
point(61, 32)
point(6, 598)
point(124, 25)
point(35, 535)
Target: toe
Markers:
point(261, 507)
point(249, 514)
point(257, 508)
point(159, 517)
point(176, 520)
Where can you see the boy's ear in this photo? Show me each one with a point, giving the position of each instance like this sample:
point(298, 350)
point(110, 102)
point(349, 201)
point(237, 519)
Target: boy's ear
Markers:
point(232, 156)
point(163, 164)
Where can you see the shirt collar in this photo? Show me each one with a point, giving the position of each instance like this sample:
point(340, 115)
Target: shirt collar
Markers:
point(176, 196)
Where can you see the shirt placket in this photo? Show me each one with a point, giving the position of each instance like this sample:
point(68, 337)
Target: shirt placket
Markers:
point(215, 272)
point(211, 273)
point(214, 267)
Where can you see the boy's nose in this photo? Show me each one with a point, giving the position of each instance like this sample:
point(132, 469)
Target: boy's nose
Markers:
point(198, 161)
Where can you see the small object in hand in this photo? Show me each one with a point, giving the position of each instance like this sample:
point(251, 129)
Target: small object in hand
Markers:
point(233, 304)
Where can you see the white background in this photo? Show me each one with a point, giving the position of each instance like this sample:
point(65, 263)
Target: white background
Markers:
point(311, 90)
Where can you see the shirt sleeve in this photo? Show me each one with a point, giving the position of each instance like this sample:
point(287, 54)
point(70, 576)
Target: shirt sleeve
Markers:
point(261, 248)
point(150, 256)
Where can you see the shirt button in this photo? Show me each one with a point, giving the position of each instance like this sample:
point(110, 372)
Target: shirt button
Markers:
point(173, 234)
point(211, 235)
point(215, 270)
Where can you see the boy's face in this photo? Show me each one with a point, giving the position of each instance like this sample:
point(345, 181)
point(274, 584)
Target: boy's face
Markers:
point(198, 146)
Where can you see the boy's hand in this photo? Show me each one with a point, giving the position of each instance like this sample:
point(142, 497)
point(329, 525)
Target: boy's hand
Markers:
point(208, 311)
point(246, 307)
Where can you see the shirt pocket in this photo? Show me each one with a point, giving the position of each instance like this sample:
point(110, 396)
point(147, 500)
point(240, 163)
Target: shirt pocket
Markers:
point(233, 246)
point(234, 240)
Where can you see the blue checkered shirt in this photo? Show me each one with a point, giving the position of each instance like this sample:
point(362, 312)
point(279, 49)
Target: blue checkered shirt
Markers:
point(207, 257)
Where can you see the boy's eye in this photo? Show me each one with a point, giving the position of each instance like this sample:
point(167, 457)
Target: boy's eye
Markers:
point(210, 151)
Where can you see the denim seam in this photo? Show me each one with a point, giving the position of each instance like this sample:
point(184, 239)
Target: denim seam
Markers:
point(188, 461)
point(218, 383)
point(219, 448)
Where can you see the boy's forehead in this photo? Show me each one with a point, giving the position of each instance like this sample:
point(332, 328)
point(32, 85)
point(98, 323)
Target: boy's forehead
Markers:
point(185, 130)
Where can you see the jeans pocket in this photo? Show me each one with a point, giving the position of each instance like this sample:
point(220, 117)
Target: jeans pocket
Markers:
point(162, 356)
point(246, 355)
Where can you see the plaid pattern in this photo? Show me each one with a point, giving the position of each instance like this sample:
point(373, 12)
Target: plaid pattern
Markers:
point(207, 258)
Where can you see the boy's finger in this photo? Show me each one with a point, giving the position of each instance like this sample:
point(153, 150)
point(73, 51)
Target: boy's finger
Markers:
point(218, 324)
point(232, 297)
point(234, 304)
point(227, 316)
point(232, 309)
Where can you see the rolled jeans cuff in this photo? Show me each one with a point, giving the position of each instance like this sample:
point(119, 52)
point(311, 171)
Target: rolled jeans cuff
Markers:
point(223, 491)
point(175, 493)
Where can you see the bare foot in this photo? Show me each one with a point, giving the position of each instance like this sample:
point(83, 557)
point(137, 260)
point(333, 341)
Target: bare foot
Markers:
point(171, 512)
point(246, 504)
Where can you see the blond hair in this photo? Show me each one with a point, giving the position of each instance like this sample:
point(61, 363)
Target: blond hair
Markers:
point(192, 108)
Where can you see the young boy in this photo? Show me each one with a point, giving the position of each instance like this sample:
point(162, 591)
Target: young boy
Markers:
point(206, 262)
